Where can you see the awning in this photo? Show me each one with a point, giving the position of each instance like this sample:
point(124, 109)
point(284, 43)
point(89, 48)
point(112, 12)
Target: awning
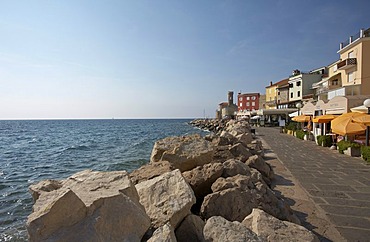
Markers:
point(324, 118)
point(302, 118)
point(359, 109)
point(294, 114)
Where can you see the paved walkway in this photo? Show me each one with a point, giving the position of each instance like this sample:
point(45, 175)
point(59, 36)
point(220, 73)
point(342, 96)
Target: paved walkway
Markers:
point(339, 184)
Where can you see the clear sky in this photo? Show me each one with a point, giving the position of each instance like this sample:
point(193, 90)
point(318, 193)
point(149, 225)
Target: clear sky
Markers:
point(162, 58)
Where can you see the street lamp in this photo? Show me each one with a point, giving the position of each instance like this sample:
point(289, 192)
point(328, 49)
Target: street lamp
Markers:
point(299, 106)
point(367, 105)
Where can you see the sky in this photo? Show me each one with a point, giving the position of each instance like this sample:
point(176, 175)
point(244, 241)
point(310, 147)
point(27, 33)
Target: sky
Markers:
point(74, 59)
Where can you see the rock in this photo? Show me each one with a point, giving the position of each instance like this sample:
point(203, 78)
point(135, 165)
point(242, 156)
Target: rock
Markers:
point(245, 139)
point(150, 171)
point(222, 153)
point(202, 177)
point(184, 153)
point(232, 204)
point(218, 229)
point(240, 152)
point(227, 139)
point(166, 198)
point(44, 186)
point(103, 204)
point(244, 193)
point(259, 163)
point(190, 229)
point(255, 147)
point(164, 233)
point(234, 167)
point(273, 229)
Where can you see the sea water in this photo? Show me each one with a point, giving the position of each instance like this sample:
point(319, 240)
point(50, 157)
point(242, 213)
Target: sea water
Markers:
point(34, 150)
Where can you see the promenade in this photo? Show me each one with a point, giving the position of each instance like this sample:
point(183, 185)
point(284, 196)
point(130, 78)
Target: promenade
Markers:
point(338, 184)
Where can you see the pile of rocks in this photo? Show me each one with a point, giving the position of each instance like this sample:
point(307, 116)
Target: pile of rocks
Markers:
point(213, 188)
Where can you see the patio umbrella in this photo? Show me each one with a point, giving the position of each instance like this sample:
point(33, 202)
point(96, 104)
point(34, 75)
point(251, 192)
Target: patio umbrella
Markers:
point(301, 118)
point(359, 109)
point(364, 119)
point(344, 124)
point(324, 118)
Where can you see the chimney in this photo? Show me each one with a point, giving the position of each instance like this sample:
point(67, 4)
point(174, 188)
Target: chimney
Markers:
point(230, 98)
point(270, 83)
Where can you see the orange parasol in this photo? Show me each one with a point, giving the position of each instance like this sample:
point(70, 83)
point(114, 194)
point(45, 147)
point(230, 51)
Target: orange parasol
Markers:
point(364, 119)
point(301, 118)
point(344, 124)
point(324, 118)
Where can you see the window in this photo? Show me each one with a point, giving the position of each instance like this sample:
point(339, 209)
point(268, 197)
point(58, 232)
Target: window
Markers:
point(241, 104)
point(351, 54)
point(253, 98)
point(248, 104)
point(240, 99)
point(334, 82)
point(247, 98)
point(298, 83)
point(291, 95)
point(298, 93)
point(253, 103)
point(351, 76)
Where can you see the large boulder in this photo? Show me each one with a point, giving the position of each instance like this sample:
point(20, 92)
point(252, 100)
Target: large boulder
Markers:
point(245, 139)
point(150, 170)
point(273, 229)
point(164, 233)
point(222, 154)
point(105, 207)
point(201, 178)
point(166, 198)
point(244, 193)
point(190, 229)
point(184, 153)
point(234, 167)
point(262, 166)
point(218, 229)
point(240, 152)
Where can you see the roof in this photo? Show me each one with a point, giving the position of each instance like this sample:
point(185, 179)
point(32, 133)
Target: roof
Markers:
point(282, 82)
point(248, 94)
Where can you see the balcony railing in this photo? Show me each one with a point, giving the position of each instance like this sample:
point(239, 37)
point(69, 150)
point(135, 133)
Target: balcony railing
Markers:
point(321, 90)
point(347, 63)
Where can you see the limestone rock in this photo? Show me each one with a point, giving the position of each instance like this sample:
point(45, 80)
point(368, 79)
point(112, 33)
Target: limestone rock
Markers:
point(190, 229)
point(273, 229)
point(44, 186)
point(92, 206)
point(183, 153)
point(222, 154)
point(150, 171)
point(259, 163)
point(255, 147)
point(244, 193)
point(166, 198)
point(164, 233)
point(202, 177)
point(245, 139)
point(240, 152)
point(227, 139)
point(234, 167)
point(218, 229)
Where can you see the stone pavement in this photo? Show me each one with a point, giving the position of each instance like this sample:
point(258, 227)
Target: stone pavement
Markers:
point(337, 183)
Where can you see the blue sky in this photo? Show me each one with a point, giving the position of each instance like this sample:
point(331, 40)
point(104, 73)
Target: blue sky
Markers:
point(158, 59)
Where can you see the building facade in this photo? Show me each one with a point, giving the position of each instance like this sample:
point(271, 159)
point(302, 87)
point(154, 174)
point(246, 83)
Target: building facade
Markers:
point(248, 101)
point(271, 96)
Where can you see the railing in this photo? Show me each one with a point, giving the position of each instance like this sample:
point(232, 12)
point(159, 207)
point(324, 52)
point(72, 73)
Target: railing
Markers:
point(347, 63)
point(321, 90)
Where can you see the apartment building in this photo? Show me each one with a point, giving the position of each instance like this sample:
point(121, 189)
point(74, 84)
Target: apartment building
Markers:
point(248, 101)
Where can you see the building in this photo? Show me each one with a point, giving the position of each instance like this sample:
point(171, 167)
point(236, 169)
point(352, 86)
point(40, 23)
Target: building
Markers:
point(329, 83)
point(355, 62)
point(282, 92)
point(271, 96)
point(248, 101)
point(227, 109)
point(300, 85)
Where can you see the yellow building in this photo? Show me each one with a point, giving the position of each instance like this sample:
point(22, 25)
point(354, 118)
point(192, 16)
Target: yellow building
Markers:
point(271, 96)
point(354, 64)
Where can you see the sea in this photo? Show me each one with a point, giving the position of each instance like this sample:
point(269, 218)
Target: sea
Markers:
point(35, 150)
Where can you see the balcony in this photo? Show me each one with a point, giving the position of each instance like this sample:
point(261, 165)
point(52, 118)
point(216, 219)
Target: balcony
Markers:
point(347, 63)
point(321, 90)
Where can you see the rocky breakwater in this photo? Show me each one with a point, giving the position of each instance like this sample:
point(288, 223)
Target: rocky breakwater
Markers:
point(213, 188)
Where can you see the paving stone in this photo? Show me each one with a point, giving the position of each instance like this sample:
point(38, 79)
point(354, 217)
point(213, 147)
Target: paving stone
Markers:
point(329, 187)
point(347, 210)
point(347, 202)
point(336, 194)
point(359, 196)
point(349, 221)
point(355, 234)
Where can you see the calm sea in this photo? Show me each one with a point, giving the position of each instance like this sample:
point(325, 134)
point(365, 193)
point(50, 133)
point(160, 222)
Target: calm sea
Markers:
point(34, 150)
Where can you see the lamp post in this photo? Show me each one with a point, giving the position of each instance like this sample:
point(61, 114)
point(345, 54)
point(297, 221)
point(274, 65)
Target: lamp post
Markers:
point(299, 106)
point(367, 105)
